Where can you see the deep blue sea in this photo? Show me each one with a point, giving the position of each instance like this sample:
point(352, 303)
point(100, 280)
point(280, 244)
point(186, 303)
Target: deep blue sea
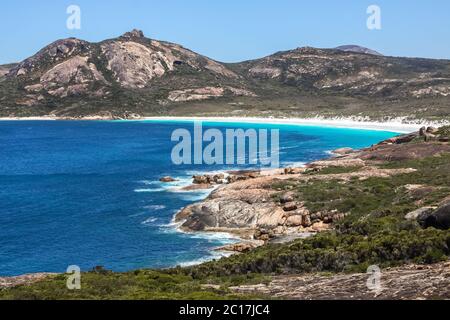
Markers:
point(88, 193)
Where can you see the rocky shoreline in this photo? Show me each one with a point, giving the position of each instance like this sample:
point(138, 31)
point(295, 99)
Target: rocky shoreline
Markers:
point(252, 206)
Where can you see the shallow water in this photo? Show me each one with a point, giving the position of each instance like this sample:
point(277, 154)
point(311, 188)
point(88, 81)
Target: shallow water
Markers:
point(88, 193)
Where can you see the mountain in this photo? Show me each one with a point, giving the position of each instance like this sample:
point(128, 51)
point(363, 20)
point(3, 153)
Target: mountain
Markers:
point(358, 49)
point(132, 76)
point(349, 73)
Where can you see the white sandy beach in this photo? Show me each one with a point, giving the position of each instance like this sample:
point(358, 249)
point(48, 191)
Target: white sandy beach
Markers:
point(30, 119)
point(398, 125)
point(395, 125)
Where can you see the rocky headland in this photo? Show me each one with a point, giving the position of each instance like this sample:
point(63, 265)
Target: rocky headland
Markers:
point(254, 206)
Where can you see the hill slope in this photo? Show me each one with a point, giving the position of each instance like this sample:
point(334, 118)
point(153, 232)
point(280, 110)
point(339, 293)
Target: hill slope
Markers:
point(132, 76)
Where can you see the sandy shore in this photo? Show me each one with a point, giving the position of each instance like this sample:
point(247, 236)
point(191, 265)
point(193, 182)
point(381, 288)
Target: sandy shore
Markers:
point(395, 125)
point(30, 119)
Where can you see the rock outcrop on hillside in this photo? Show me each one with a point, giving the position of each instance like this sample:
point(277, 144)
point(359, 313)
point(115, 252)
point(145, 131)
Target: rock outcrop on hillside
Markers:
point(439, 219)
point(71, 77)
point(358, 49)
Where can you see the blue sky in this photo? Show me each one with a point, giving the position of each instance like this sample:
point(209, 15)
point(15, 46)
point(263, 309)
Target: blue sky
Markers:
point(233, 30)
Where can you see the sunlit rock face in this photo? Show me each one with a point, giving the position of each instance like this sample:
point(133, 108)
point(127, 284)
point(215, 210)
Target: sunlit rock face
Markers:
point(133, 64)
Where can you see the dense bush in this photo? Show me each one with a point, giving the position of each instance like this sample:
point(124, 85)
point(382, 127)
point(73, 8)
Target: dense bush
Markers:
point(337, 253)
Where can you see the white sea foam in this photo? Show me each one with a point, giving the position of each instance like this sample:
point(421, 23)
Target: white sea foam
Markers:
point(136, 214)
point(288, 147)
point(214, 255)
point(155, 207)
point(172, 226)
point(150, 220)
point(295, 164)
point(330, 153)
point(173, 186)
point(222, 238)
point(149, 183)
point(148, 190)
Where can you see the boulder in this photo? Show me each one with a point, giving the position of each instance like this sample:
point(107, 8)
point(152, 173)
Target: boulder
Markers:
point(439, 219)
point(423, 131)
point(287, 197)
point(241, 247)
point(167, 179)
point(134, 34)
point(290, 206)
point(219, 178)
point(294, 221)
point(404, 138)
point(432, 130)
point(320, 226)
point(343, 151)
point(294, 170)
point(428, 136)
point(301, 211)
point(201, 179)
point(209, 179)
point(316, 216)
point(414, 215)
point(233, 178)
point(279, 230)
point(264, 237)
point(230, 213)
point(306, 221)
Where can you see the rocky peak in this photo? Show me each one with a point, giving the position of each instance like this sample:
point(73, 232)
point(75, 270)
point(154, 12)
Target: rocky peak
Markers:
point(306, 49)
point(56, 52)
point(358, 49)
point(134, 34)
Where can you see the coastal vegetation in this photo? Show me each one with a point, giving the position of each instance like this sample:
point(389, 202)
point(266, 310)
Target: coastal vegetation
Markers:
point(136, 285)
point(374, 230)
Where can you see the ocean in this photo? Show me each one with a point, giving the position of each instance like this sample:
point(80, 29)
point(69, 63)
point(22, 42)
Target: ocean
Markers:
point(87, 193)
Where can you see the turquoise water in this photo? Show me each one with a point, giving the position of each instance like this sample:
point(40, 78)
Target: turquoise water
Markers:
point(88, 193)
